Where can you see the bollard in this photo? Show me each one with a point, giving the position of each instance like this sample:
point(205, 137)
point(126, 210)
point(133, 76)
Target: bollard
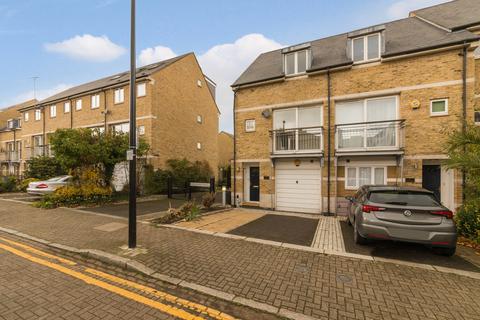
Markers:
point(224, 196)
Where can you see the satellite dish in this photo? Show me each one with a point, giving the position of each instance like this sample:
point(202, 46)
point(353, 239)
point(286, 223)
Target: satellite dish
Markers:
point(267, 113)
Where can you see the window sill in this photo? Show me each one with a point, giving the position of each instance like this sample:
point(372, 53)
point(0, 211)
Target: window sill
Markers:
point(295, 75)
point(356, 63)
point(117, 103)
point(438, 114)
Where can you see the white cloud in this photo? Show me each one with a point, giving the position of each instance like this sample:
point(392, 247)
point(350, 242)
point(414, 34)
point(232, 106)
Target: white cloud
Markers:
point(400, 9)
point(87, 47)
point(223, 64)
point(41, 94)
point(158, 53)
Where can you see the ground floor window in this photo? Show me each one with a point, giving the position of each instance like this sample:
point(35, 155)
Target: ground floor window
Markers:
point(355, 177)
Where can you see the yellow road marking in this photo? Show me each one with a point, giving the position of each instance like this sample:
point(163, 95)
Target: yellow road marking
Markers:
point(40, 253)
point(171, 298)
point(122, 292)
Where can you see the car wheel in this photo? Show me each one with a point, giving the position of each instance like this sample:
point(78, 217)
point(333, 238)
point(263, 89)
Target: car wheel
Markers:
point(445, 251)
point(357, 237)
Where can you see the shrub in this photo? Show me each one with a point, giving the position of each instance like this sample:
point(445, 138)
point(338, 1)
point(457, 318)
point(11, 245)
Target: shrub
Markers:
point(156, 181)
point(23, 185)
point(468, 220)
point(71, 196)
point(8, 184)
point(43, 168)
point(208, 200)
point(188, 211)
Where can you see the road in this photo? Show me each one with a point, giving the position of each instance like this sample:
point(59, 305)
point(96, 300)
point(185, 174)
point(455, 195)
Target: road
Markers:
point(37, 283)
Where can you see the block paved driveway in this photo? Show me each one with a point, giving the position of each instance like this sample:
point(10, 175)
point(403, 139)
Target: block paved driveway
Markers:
point(317, 285)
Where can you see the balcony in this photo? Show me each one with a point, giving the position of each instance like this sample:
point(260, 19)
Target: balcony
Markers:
point(378, 137)
point(10, 156)
point(39, 151)
point(297, 141)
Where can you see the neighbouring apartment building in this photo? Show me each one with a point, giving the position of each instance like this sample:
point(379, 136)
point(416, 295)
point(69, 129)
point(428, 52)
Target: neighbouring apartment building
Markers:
point(176, 113)
point(315, 121)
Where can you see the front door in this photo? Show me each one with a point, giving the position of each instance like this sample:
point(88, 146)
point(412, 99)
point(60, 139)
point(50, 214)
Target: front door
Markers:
point(254, 184)
point(431, 179)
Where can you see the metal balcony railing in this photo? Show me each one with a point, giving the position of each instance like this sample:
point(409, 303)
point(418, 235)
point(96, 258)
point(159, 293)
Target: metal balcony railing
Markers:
point(297, 140)
point(10, 156)
point(38, 151)
point(370, 136)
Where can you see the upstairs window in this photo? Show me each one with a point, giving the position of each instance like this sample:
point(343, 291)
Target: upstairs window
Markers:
point(66, 107)
point(141, 90)
point(121, 127)
point(292, 118)
point(366, 48)
point(119, 96)
point(439, 107)
point(38, 114)
point(26, 116)
point(296, 62)
point(53, 111)
point(78, 104)
point(95, 101)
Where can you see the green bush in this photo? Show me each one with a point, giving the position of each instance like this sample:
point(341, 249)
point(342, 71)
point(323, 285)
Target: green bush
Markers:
point(23, 185)
point(43, 168)
point(8, 184)
point(72, 196)
point(156, 181)
point(188, 211)
point(468, 220)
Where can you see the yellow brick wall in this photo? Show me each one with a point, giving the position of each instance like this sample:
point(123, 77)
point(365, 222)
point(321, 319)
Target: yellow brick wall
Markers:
point(225, 148)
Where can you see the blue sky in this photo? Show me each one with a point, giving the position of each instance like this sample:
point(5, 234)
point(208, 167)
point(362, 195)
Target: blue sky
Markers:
point(69, 42)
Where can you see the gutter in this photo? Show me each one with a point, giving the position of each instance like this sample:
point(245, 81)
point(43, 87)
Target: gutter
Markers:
point(234, 151)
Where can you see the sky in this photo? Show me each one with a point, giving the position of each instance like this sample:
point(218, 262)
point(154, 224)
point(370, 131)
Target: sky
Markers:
point(69, 42)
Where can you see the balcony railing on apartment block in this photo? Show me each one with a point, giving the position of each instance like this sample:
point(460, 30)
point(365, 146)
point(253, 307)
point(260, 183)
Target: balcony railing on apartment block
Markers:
point(10, 156)
point(370, 136)
point(297, 140)
point(38, 151)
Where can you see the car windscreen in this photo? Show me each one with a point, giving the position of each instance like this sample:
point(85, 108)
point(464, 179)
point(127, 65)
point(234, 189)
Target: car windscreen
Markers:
point(56, 179)
point(404, 198)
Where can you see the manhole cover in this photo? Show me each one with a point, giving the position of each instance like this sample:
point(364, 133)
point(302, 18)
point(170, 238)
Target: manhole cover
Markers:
point(343, 278)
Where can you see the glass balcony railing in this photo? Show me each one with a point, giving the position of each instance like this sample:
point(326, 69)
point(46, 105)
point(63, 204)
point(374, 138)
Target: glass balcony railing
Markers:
point(369, 136)
point(38, 151)
point(297, 140)
point(10, 156)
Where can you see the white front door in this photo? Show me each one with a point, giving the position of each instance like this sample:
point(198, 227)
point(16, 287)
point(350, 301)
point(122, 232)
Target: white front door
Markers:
point(447, 188)
point(298, 184)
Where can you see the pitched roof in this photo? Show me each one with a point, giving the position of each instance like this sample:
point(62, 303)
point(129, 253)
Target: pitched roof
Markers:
point(12, 112)
point(116, 79)
point(401, 36)
point(452, 15)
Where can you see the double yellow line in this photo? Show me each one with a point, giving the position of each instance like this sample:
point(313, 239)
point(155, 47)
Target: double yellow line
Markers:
point(175, 311)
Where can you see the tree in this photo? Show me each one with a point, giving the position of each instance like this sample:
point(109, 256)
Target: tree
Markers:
point(43, 168)
point(81, 149)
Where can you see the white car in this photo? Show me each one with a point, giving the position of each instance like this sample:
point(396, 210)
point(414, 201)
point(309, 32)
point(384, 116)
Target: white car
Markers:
point(48, 186)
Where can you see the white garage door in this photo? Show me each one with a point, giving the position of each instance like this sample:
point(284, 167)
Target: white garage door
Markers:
point(298, 188)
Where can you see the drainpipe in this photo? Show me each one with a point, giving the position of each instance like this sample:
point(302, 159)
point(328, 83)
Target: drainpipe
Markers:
point(329, 145)
point(234, 152)
point(105, 111)
point(464, 110)
point(44, 147)
point(71, 113)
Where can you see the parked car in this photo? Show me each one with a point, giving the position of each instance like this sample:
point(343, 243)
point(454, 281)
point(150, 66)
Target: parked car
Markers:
point(402, 214)
point(48, 186)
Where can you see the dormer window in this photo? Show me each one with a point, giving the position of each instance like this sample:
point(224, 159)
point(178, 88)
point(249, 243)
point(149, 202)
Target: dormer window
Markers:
point(366, 48)
point(296, 62)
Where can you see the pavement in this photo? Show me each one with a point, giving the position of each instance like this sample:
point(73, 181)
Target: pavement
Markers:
point(54, 286)
point(285, 280)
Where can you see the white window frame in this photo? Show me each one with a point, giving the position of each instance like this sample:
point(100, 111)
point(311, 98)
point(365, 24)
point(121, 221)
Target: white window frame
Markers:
point(67, 107)
point(78, 104)
point(53, 111)
point(295, 54)
point(365, 48)
point(144, 85)
point(365, 108)
point(199, 119)
point(476, 122)
point(296, 115)
point(26, 116)
point(121, 96)
point(95, 101)
point(199, 146)
point(357, 175)
point(250, 125)
point(436, 114)
point(38, 114)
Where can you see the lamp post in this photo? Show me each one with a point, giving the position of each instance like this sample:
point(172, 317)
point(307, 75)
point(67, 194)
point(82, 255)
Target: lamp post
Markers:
point(132, 152)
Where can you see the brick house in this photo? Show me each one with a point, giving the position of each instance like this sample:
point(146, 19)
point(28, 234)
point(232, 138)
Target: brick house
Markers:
point(315, 121)
point(176, 112)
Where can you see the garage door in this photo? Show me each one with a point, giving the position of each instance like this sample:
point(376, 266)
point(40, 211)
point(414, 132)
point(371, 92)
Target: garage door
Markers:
point(298, 188)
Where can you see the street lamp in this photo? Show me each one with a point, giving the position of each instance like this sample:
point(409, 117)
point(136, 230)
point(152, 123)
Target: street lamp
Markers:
point(132, 152)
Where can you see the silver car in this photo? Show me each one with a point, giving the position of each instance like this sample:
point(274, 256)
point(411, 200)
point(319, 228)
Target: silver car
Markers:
point(402, 214)
point(48, 186)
